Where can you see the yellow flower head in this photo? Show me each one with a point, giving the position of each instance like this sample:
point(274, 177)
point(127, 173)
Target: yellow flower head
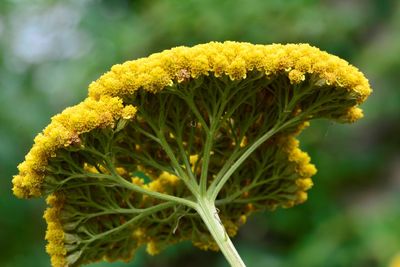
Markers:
point(120, 166)
point(233, 59)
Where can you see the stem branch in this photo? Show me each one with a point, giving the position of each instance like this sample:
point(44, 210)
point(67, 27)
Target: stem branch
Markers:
point(209, 214)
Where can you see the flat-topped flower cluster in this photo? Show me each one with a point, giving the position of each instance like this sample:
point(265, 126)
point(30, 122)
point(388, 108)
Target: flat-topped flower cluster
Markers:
point(158, 135)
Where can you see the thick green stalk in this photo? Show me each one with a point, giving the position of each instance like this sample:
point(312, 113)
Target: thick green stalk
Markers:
point(209, 214)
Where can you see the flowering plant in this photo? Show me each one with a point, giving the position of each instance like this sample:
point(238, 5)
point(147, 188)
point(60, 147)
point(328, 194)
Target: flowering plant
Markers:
point(184, 145)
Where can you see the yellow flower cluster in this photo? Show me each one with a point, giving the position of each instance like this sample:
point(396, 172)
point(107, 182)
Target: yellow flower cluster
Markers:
point(179, 64)
point(233, 59)
point(303, 168)
point(165, 183)
point(55, 233)
point(353, 114)
point(105, 108)
point(63, 131)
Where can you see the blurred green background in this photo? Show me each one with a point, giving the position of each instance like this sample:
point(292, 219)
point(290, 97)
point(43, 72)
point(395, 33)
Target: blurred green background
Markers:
point(51, 51)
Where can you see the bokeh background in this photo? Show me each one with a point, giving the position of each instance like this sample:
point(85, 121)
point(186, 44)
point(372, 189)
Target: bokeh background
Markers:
point(51, 51)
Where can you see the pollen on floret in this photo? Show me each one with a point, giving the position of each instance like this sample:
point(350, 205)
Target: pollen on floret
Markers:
point(54, 232)
point(354, 114)
point(219, 65)
point(128, 112)
point(301, 197)
point(200, 65)
point(304, 183)
point(307, 170)
point(237, 69)
point(298, 156)
point(301, 159)
point(296, 76)
point(18, 190)
point(154, 79)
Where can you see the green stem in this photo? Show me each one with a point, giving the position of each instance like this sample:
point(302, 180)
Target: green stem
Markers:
point(217, 185)
point(209, 214)
point(192, 186)
point(177, 200)
point(204, 165)
point(237, 194)
point(214, 189)
point(143, 214)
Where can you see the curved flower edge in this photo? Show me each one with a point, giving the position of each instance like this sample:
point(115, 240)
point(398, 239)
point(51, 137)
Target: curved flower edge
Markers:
point(105, 105)
point(233, 59)
point(63, 131)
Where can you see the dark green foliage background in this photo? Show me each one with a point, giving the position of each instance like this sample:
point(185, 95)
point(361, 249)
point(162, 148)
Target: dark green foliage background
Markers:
point(51, 51)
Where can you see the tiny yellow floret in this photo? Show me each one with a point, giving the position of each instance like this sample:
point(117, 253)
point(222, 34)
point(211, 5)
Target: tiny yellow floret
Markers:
point(304, 184)
point(301, 197)
point(354, 114)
